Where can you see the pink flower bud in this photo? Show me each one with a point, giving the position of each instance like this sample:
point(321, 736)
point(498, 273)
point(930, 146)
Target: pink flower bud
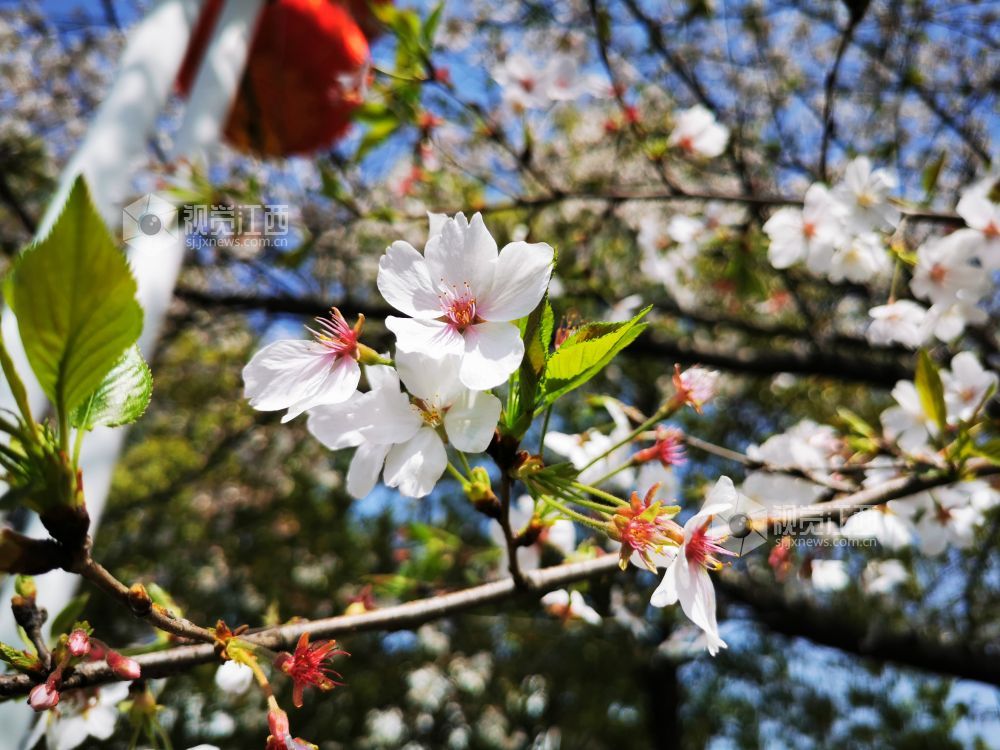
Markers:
point(43, 697)
point(79, 643)
point(277, 722)
point(127, 669)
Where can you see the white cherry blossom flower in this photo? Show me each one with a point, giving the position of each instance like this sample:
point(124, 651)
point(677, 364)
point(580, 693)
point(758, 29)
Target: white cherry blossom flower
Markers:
point(943, 272)
point(403, 431)
point(903, 321)
point(297, 374)
point(864, 194)
point(882, 576)
point(945, 518)
point(570, 605)
point(966, 384)
point(829, 575)
point(686, 579)
point(981, 212)
point(697, 133)
point(461, 297)
point(560, 535)
point(886, 523)
point(233, 677)
point(947, 320)
point(808, 234)
point(79, 715)
point(862, 259)
point(523, 82)
point(907, 423)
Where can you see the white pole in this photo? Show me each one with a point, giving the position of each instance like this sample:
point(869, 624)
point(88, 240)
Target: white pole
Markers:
point(115, 142)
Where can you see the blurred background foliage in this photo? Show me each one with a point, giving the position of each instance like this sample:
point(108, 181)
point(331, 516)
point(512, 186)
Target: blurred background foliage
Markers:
point(241, 518)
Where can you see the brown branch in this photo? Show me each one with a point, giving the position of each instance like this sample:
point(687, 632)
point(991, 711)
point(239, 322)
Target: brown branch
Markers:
point(829, 125)
point(403, 616)
point(843, 508)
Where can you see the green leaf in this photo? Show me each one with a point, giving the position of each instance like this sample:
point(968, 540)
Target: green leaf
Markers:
point(378, 132)
point(430, 27)
point(536, 331)
point(929, 177)
point(586, 353)
point(69, 615)
point(74, 298)
point(990, 450)
point(930, 390)
point(121, 398)
point(856, 423)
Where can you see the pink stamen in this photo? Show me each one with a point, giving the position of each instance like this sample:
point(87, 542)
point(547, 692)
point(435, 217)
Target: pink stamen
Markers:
point(335, 335)
point(700, 548)
point(459, 308)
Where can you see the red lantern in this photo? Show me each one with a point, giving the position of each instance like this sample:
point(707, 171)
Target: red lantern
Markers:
point(305, 75)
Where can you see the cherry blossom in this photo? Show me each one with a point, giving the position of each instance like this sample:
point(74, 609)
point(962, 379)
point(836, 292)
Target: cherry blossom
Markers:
point(808, 234)
point(944, 518)
point(79, 715)
point(966, 385)
point(308, 666)
point(907, 423)
point(298, 374)
point(979, 208)
point(889, 524)
point(829, 575)
point(461, 297)
point(686, 579)
point(402, 431)
point(560, 535)
point(882, 576)
point(695, 386)
point(864, 195)
point(944, 273)
point(233, 677)
point(860, 259)
point(697, 133)
point(903, 321)
point(570, 605)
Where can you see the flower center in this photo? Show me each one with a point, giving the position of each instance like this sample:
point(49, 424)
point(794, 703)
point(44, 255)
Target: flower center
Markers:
point(528, 84)
point(992, 230)
point(808, 230)
point(866, 199)
point(700, 548)
point(432, 414)
point(686, 143)
point(459, 307)
point(938, 273)
point(336, 336)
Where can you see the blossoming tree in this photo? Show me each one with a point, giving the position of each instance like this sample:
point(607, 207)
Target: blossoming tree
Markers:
point(638, 342)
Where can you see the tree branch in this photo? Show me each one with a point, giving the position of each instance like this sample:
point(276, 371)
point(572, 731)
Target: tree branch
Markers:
point(403, 616)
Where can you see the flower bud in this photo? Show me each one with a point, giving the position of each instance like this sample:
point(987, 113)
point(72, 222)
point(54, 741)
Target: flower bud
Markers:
point(122, 666)
point(24, 586)
point(43, 697)
point(78, 642)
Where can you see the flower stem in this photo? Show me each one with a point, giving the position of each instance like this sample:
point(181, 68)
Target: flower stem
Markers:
point(660, 414)
point(456, 473)
point(570, 513)
point(613, 472)
point(545, 429)
point(599, 493)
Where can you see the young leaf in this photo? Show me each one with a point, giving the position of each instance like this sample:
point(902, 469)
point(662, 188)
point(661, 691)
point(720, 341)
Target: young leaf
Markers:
point(537, 335)
point(121, 398)
point(586, 353)
point(930, 390)
point(990, 450)
point(74, 298)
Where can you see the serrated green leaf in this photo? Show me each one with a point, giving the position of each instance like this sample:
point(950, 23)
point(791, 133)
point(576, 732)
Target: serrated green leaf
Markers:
point(121, 398)
point(586, 353)
point(930, 390)
point(74, 298)
point(69, 615)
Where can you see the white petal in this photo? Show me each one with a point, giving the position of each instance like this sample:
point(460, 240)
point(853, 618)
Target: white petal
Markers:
point(233, 677)
point(101, 721)
point(339, 426)
point(415, 466)
point(697, 598)
point(492, 352)
point(471, 420)
point(405, 281)
point(522, 274)
point(288, 371)
point(431, 378)
point(365, 468)
point(666, 593)
point(391, 418)
point(428, 336)
point(340, 382)
point(462, 258)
